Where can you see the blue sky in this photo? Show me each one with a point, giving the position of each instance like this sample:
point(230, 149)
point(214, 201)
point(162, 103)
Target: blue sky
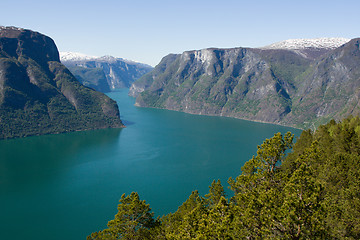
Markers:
point(146, 31)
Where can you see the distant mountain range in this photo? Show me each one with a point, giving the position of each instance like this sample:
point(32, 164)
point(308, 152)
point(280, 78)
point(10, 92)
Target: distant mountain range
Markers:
point(103, 73)
point(39, 95)
point(300, 83)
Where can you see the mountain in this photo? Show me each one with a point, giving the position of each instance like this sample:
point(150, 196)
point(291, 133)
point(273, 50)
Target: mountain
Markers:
point(39, 95)
point(103, 73)
point(74, 56)
point(280, 85)
point(297, 44)
point(309, 48)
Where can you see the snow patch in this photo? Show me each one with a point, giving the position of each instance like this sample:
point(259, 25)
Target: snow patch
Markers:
point(74, 56)
point(11, 28)
point(296, 44)
point(78, 57)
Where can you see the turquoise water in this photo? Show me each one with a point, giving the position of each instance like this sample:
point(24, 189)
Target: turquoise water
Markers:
point(68, 185)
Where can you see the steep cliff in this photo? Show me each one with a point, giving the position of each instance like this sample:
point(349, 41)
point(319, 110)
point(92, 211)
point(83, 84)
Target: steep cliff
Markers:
point(103, 73)
point(282, 86)
point(38, 95)
point(330, 88)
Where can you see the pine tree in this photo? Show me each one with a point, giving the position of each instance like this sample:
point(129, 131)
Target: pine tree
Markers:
point(258, 188)
point(218, 223)
point(216, 191)
point(133, 220)
point(182, 223)
point(302, 214)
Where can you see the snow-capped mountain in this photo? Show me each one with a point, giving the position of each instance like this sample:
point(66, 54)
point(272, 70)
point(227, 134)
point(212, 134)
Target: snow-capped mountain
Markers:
point(75, 56)
point(103, 73)
point(305, 87)
point(11, 28)
point(294, 44)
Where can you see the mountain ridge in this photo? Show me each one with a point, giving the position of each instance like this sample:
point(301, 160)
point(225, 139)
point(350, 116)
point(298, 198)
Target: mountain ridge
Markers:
point(39, 95)
point(277, 86)
point(311, 48)
point(77, 56)
point(104, 73)
point(301, 43)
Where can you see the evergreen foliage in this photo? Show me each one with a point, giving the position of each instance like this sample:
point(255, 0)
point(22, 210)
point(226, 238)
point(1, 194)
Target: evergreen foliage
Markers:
point(312, 192)
point(133, 220)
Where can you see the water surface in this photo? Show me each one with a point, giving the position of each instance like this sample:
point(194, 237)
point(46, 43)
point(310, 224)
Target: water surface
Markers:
point(68, 185)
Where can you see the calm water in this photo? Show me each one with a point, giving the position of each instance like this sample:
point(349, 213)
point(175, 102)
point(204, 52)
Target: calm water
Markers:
point(67, 186)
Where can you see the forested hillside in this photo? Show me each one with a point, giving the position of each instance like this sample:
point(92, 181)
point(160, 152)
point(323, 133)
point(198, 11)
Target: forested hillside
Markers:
point(299, 89)
point(306, 190)
point(39, 95)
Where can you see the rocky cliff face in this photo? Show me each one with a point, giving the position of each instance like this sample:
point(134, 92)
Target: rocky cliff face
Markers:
point(38, 95)
point(104, 73)
point(281, 86)
point(330, 88)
